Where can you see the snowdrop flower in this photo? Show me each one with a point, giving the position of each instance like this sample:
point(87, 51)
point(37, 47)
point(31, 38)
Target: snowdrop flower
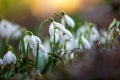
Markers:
point(34, 40)
point(51, 29)
point(26, 40)
point(94, 35)
point(9, 58)
point(103, 36)
point(69, 34)
point(67, 19)
point(1, 61)
point(61, 37)
point(7, 28)
point(59, 30)
point(69, 45)
point(82, 30)
point(41, 49)
point(64, 37)
point(59, 26)
point(85, 42)
point(55, 26)
point(56, 38)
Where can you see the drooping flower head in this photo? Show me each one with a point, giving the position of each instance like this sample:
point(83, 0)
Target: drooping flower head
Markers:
point(67, 20)
point(7, 29)
point(9, 58)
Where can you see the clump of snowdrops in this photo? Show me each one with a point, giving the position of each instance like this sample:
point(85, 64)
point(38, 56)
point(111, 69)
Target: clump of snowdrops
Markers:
point(59, 46)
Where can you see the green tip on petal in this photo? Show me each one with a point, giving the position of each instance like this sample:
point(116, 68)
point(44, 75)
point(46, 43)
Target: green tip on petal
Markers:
point(29, 32)
point(51, 19)
point(90, 25)
point(10, 48)
point(63, 13)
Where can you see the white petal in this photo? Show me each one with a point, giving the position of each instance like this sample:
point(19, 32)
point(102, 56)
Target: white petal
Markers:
point(34, 40)
point(66, 37)
point(37, 39)
point(61, 38)
point(42, 48)
point(85, 42)
point(7, 28)
point(56, 38)
point(69, 45)
point(94, 34)
point(34, 51)
point(26, 41)
point(68, 33)
point(82, 30)
point(9, 58)
point(58, 25)
point(51, 29)
point(63, 21)
point(69, 21)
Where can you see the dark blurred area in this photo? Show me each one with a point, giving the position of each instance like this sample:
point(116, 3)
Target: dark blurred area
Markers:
point(95, 64)
point(104, 13)
point(30, 13)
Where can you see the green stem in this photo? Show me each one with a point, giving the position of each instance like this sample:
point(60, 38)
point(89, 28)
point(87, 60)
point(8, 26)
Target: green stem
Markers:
point(7, 40)
point(105, 44)
point(37, 56)
point(27, 56)
point(41, 25)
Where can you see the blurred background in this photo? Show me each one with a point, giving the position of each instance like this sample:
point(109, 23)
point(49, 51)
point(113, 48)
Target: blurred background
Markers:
point(30, 13)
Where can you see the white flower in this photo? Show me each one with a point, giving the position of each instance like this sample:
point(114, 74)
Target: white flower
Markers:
point(68, 20)
point(68, 33)
point(9, 58)
point(85, 42)
point(61, 37)
point(34, 40)
point(41, 50)
point(94, 35)
point(103, 36)
point(26, 41)
point(56, 38)
point(65, 37)
point(82, 30)
point(51, 29)
point(59, 26)
point(7, 28)
point(69, 45)
point(1, 61)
